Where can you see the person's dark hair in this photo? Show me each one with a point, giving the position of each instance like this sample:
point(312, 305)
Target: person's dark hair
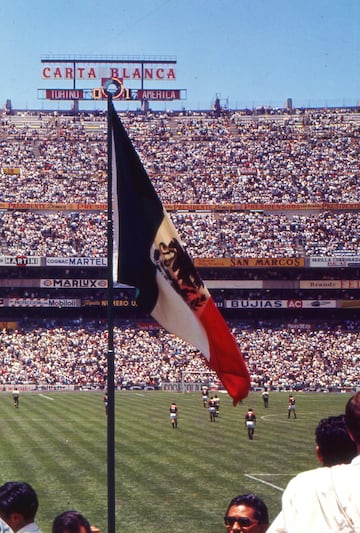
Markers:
point(18, 497)
point(333, 439)
point(70, 521)
point(352, 417)
point(261, 513)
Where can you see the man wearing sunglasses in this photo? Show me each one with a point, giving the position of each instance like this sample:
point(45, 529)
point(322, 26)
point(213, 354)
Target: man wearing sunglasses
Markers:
point(247, 513)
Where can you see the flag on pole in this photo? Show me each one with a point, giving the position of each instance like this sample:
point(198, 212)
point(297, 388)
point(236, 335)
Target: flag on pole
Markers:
point(149, 255)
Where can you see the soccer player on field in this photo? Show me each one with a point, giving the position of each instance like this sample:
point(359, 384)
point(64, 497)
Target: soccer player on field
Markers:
point(16, 397)
point(250, 422)
point(212, 409)
point(173, 415)
point(291, 406)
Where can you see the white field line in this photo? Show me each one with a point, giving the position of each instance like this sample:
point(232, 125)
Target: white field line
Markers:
point(46, 397)
point(265, 482)
point(277, 418)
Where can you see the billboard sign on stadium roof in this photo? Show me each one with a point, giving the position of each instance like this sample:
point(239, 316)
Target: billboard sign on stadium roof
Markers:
point(132, 72)
point(96, 71)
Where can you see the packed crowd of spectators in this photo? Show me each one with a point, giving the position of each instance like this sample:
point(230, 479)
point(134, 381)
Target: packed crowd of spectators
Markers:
point(278, 357)
point(65, 234)
point(300, 158)
point(195, 159)
point(53, 234)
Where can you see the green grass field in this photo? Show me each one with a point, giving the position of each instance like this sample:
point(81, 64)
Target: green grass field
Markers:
point(167, 481)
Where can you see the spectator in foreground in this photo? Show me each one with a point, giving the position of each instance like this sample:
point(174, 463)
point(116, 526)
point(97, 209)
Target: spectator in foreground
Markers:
point(334, 446)
point(72, 522)
point(18, 507)
point(326, 498)
point(247, 512)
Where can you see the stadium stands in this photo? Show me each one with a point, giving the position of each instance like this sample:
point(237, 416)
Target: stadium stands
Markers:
point(320, 358)
point(266, 203)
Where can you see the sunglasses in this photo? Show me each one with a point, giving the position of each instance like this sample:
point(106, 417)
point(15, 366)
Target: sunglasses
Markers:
point(243, 521)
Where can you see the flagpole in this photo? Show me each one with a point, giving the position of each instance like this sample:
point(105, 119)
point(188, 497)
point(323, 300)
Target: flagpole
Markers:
point(110, 331)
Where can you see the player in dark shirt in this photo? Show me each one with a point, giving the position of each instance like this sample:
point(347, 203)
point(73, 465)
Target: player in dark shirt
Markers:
point(173, 415)
point(250, 422)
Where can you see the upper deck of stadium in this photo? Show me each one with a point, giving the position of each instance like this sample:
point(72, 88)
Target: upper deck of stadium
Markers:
point(245, 183)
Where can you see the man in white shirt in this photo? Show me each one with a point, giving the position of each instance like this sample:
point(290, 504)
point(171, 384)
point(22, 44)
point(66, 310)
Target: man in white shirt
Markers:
point(326, 499)
point(4, 528)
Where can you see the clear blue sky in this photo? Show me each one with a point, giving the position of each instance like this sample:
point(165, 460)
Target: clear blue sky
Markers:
point(249, 52)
